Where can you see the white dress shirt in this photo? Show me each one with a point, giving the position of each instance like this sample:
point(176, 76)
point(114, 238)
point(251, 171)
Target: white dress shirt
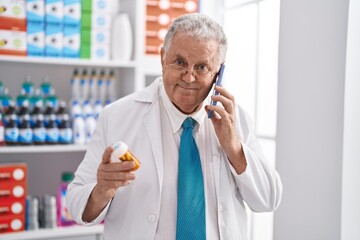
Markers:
point(172, 120)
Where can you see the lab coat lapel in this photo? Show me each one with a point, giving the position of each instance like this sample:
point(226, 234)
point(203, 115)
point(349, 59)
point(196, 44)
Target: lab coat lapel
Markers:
point(152, 124)
point(216, 159)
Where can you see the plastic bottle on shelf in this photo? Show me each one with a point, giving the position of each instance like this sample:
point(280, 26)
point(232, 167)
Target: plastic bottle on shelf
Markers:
point(49, 211)
point(52, 131)
point(63, 215)
point(25, 131)
point(97, 108)
point(102, 87)
point(75, 86)
point(10, 111)
point(1, 88)
point(79, 129)
point(32, 213)
point(90, 125)
point(76, 109)
point(37, 109)
point(45, 87)
point(11, 131)
point(87, 108)
point(84, 86)
point(62, 109)
point(51, 97)
point(110, 90)
point(6, 99)
point(21, 97)
point(65, 130)
point(93, 86)
point(36, 99)
point(49, 110)
point(28, 86)
point(1, 94)
point(2, 130)
point(23, 109)
point(39, 130)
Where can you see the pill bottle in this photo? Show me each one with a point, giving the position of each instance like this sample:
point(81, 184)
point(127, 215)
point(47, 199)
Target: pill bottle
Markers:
point(121, 153)
point(63, 215)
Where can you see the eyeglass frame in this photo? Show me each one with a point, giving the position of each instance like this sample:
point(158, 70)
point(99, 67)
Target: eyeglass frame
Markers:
point(184, 70)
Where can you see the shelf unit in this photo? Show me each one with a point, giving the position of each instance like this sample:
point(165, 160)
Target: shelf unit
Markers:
point(46, 163)
point(67, 62)
point(43, 149)
point(61, 233)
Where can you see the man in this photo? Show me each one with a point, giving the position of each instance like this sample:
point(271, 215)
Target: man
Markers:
point(148, 203)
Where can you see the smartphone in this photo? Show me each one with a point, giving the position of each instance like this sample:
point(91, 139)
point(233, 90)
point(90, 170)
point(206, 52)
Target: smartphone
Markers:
point(217, 83)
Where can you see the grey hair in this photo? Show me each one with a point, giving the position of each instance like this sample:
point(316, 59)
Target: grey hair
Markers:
point(200, 27)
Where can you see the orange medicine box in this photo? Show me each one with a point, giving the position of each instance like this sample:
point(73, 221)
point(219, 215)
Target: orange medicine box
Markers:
point(13, 191)
point(16, 208)
point(13, 172)
point(12, 224)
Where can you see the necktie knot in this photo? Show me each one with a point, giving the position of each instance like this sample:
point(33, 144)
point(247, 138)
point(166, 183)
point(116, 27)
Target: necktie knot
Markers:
point(189, 123)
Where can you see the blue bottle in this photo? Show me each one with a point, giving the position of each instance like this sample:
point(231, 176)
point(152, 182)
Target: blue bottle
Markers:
point(12, 131)
point(65, 130)
point(39, 130)
point(25, 131)
point(52, 131)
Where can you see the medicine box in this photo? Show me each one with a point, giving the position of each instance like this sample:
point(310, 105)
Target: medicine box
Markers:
point(54, 12)
point(53, 41)
point(95, 36)
point(71, 43)
point(95, 20)
point(13, 172)
point(35, 11)
point(12, 14)
point(12, 42)
point(72, 13)
point(12, 9)
point(100, 52)
point(13, 191)
point(95, 6)
point(35, 39)
point(12, 224)
point(8, 208)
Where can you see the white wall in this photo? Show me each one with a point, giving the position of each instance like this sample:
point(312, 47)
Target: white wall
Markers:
point(351, 157)
point(311, 118)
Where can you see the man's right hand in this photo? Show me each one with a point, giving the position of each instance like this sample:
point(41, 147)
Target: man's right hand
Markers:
point(110, 176)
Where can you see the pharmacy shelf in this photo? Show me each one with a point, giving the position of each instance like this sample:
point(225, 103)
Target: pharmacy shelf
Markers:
point(67, 62)
point(56, 233)
point(43, 148)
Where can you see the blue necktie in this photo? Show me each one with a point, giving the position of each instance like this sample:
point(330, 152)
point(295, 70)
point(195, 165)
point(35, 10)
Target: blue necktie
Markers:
point(191, 223)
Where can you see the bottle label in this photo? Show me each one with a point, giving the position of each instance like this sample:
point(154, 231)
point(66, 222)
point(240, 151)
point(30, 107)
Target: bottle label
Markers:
point(25, 135)
point(11, 134)
point(39, 135)
point(65, 135)
point(52, 135)
point(65, 215)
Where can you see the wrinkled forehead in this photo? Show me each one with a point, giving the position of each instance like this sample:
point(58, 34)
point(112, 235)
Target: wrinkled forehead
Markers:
point(185, 46)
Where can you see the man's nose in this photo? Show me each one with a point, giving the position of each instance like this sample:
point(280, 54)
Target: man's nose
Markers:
point(188, 76)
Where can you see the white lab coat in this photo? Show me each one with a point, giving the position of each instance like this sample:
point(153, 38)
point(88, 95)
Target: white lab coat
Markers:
point(133, 212)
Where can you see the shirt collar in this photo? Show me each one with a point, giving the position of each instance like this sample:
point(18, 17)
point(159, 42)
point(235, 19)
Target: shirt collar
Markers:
point(176, 117)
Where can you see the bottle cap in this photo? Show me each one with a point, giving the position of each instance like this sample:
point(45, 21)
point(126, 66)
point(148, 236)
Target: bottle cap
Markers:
point(67, 176)
point(120, 148)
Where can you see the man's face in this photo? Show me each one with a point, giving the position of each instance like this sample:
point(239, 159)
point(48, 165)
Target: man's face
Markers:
point(185, 87)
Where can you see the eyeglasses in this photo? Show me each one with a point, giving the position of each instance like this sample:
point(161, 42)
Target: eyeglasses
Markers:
point(201, 72)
